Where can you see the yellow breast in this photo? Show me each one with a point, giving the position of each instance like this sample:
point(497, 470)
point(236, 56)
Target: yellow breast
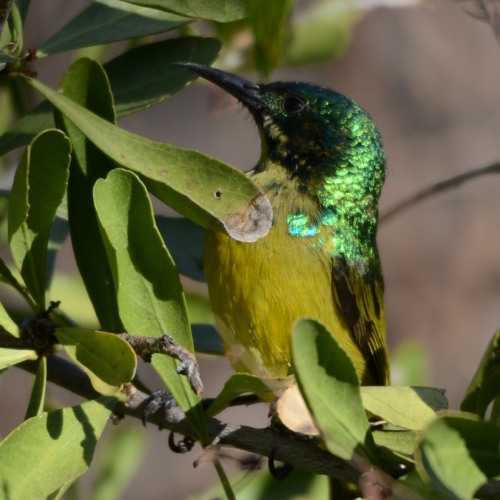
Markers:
point(258, 290)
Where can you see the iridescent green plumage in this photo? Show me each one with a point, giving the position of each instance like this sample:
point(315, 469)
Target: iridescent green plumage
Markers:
point(322, 167)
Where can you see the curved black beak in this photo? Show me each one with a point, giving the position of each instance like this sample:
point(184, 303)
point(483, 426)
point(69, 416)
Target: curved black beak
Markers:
point(245, 91)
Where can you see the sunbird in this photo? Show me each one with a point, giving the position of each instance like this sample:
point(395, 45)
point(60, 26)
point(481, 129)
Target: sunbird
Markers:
point(322, 166)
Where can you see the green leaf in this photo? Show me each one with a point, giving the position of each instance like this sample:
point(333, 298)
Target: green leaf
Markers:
point(108, 360)
point(410, 364)
point(106, 21)
point(329, 383)
point(413, 487)
point(184, 239)
point(322, 33)
point(223, 11)
point(120, 458)
point(23, 6)
point(10, 357)
point(45, 453)
point(199, 308)
point(195, 185)
point(243, 383)
point(76, 303)
point(150, 296)
point(58, 234)
point(6, 59)
point(37, 398)
point(401, 443)
point(6, 276)
point(86, 83)
point(260, 484)
point(24, 130)
point(485, 384)
point(38, 189)
point(145, 76)
point(7, 324)
point(207, 340)
point(151, 81)
point(460, 454)
point(412, 408)
point(269, 31)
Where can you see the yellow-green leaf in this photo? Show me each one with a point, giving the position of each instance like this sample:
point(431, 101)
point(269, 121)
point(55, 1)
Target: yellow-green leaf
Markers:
point(108, 360)
point(45, 453)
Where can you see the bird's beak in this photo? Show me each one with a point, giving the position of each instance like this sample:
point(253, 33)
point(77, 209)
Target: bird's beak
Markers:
point(245, 91)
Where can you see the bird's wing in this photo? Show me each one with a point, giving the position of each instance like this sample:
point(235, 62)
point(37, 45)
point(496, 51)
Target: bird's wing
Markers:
point(360, 302)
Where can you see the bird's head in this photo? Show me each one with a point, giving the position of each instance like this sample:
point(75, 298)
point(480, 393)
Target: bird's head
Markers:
point(313, 132)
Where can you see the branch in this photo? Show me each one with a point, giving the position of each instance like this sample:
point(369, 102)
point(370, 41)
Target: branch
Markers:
point(145, 347)
point(305, 455)
point(439, 187)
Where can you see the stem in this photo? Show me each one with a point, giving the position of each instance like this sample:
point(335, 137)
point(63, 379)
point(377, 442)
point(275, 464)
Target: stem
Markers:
point(452, 182)
point(5, 7)
point(224, 480)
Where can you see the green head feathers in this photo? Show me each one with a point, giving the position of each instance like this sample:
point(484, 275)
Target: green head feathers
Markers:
point(327, 147)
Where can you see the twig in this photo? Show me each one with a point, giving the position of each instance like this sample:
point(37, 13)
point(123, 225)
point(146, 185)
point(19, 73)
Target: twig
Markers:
point(305, 455)
point(453, 182)
point(145, 347)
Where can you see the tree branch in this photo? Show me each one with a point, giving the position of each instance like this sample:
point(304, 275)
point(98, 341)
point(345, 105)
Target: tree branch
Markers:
point(439, 187)
point(301, 454)
point(305, 455)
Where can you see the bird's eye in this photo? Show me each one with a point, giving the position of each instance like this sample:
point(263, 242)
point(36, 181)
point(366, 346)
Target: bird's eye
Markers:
point(292, 105)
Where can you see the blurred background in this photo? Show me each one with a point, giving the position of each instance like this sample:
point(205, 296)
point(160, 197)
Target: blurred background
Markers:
point(429, 75)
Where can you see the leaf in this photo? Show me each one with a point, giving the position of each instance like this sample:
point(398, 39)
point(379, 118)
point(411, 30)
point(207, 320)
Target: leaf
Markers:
point(120, 458)
point(106, 21)
point(184, 239)
point(149, 292)
point(45, 453)
point(86, 83)
point(6, 59)
point(207, 340)
point(195, 185)
point(108, 360)
point(321, 33)
point(156, 80)
point(329, 384)
point(25, 129)
point(23, 6)
point(485, 384)
point(145, 76)
point(484, 10)
point(6, 276)
point(7, 324)
point(222, 11)
point(401, 443)
point(460, 454)
point(293, 413)
point(38, 189)
point(58, 235)
point(243, 383)
point(412, 408)
point(269, 31)
point(413, 487)
point(37, 398)
point(260, 484)
point(10, 357)
point(410, 363)
point(76, 303)
point(199, 309)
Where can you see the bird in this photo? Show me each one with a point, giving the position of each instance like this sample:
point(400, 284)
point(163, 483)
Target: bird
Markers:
point(322, 166)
